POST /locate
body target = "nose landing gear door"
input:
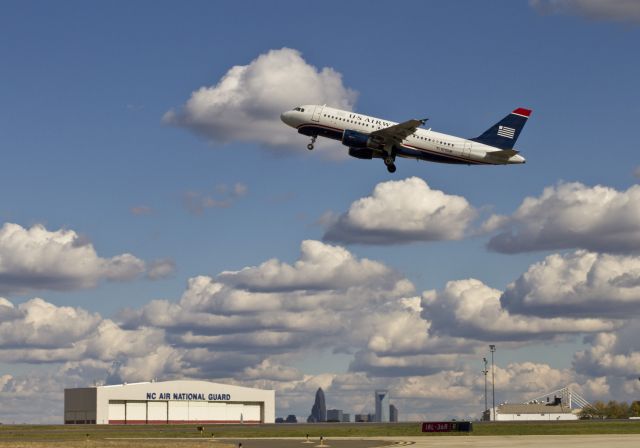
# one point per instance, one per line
(317, 113)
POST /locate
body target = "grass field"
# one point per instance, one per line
(93, 433)
(109, 444)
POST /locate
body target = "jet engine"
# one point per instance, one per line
(355, 139)
(361, 153)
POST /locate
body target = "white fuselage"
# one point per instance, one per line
(423, 144)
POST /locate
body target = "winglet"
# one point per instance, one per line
(522, 111)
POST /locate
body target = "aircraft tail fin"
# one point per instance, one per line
(503, 134)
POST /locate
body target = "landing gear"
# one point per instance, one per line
(388, 161)
(313, 140)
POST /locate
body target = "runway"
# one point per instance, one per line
(563, 441)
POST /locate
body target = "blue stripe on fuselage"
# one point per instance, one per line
(420, 154)
(402, 151)
(323, 131)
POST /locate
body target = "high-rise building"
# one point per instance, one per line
(382, 405)
(346, 418)
(334, 415)
(365, 418)
(319, 409)
(393, 414)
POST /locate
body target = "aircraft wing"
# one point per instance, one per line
(398, 132)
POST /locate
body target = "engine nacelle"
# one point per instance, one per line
(361, 153)
(355, 139)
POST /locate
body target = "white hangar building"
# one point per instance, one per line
(168, 402)
(531, 412)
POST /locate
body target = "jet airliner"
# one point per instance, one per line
(369, 137)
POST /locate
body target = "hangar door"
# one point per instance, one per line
(117, 412)
(213, 411)
(158, 412)
(244, 412)
(178, 411)
(251, 413)
(136, 412)
(123, 412)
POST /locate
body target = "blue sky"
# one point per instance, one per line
(83, 94)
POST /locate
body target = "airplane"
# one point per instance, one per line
(369, 137)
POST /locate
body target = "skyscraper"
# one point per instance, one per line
(382, 405)
(393, 414)
(319, 409)
(334, 415)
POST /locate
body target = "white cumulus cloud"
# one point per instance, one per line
(321, 266)
(402, 212)
(471, 309)
(277, 306)
(571, 215)
(39, 324)
(245, 105)
(37, 259)
(578, 284)
(614, 355)
(37, 331)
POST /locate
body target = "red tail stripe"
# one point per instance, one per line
(522, 111)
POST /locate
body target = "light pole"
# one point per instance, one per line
(492, 349)
(485, 371)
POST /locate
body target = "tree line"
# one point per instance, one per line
(612, 409)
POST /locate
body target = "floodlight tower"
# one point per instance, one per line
(485, 371)
(492, 349)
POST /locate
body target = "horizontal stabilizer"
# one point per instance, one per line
(505, 153)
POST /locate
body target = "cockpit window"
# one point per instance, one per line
(299, 109)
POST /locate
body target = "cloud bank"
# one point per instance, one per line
(252, 325)
(571, 215)
(578, 284)
(471, 309)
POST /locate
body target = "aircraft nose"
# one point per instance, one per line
(286, 117)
